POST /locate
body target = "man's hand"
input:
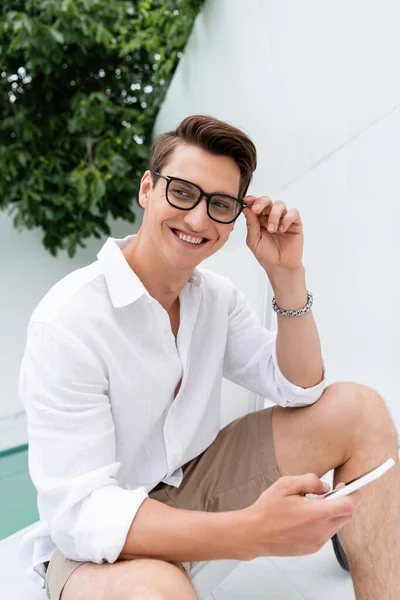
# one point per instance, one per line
(281, 247)
(284, 523)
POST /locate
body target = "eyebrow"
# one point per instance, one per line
(212, 193)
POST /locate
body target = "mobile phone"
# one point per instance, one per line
(359, 482)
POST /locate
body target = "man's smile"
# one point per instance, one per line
(188, 240)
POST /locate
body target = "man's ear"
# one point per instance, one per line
(145, 189)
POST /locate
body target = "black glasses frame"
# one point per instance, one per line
(169, 178)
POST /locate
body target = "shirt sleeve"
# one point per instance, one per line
(72, 452)
(250, 358)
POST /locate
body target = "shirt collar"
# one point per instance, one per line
(123, 284)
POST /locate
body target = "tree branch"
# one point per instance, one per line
(89, 146)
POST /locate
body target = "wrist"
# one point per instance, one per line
(248, 531)
(289, 288)
(282, 277)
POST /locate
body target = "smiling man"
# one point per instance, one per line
(121, 381)
(179, 228)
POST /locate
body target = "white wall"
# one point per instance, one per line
(315, 86)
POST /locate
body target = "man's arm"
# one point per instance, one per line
(175, 534)
(298, 347)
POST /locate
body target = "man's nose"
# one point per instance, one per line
(197, 218)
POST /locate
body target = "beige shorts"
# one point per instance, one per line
(229, 475)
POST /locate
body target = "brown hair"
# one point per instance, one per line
(208, 133)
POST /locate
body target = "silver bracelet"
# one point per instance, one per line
(294, 313)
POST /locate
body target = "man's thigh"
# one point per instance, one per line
(122, 580)
(232, 472)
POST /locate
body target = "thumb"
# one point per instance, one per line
(253, 227)
(336, 486)
(307, 484)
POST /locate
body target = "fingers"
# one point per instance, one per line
(346, 511)
(258, 205)
(275, 214)
(278, 210)
(293, 216)
(337, 508)
(337, 524)
(302, 484)
(343, 507)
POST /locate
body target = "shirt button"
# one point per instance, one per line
(172, 409)
(167, 330)
(151, 301)
(175, 459)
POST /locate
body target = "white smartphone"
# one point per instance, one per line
(359, 482)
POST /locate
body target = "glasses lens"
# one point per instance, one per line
(224, 209)
(182, 194)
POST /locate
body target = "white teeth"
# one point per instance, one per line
(187, 238)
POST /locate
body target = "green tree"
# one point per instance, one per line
(81, 82)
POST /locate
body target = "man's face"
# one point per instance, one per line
(162, 222)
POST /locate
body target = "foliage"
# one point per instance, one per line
(81, 82)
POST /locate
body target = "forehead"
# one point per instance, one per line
(212, 173)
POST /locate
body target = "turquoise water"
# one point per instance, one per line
(18, 507)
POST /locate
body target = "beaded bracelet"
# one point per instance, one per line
(294, 313)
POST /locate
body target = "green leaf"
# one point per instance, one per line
(97, 189)
(57, 35)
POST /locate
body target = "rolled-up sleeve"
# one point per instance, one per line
(250, 357)
(72, 452)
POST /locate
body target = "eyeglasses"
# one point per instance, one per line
(186, 195)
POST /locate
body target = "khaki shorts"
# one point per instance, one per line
(229, 475)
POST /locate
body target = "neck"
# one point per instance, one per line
(161, 280)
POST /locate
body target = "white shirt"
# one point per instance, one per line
(97, 381)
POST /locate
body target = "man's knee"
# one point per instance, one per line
(148, 592)
(145, 593)
(148, 578)
(154, 579)
(364, 408)
(357, 399)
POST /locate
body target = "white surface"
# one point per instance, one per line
(14, 584)
(335, 64)
(310, 577)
